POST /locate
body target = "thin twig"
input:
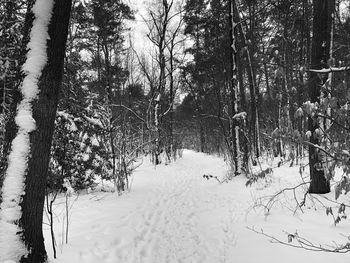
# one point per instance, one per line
(303, 243)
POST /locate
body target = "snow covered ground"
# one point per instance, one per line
(172, 214)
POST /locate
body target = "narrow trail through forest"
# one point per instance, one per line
(174, 215)
(169, 220)
(168, 226)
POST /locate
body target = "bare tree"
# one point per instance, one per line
(159, 26)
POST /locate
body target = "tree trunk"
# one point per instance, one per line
(234, 129)
(171, 99)
(10, 126)
(44, 112)
(159, 39)
(302, 60)
(320, 52)
(268, 89)
(253, 69)
(254, 121)
(243, 107)
(201, 136)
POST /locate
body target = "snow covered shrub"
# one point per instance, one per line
(76, 154)
(332, 114)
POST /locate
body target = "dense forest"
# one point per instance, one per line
(244, 80)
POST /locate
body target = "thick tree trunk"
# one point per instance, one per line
(320, 51)
(44, 112)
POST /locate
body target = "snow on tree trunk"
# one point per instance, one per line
(11, 244)
(254, 120)
(157, 128)
(234, 90)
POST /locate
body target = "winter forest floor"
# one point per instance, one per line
(173, 214)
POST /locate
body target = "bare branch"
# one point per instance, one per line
(303, 243)
(130, 110)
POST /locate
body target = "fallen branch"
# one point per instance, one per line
(268, 201)
(303, 243)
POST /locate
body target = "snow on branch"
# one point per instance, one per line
(94, 121)
(12, 247)
(329, 70)
(240, 116)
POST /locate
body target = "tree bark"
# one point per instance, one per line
(44, 112)
(10, 126)
(234, 129)
(243, 107)
(320, 52)
(254, 121)
(302, 61)
(159, 24)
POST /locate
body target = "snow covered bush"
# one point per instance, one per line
(76, 154)
(332, 114)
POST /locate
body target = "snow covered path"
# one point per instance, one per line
(174, 215)
(167, 225)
